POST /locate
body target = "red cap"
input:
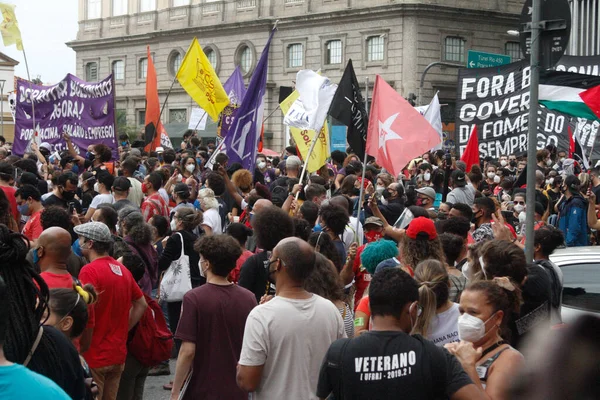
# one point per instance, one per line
(421, 225)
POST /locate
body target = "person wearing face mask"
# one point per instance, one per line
(512, 165)
(572, 218)
(395, 309)
(426, 197)
(64, 193)
(391, 204)
(262, 172)
(29, 204)
(489, 184)
(483, 208)
(181, 195)
(85, 189)
(121, 306)
(544, 162)
(483, 351)
(189, 167)
(154, 204)
(103, 187)
(204, 320)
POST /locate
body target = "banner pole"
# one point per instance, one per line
(166, 98)
(364, 171)
(272, 112)
(31, 94)
(312, 147)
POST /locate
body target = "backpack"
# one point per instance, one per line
(151, 340)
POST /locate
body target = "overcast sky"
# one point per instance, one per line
(46, 25)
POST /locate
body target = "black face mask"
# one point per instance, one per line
(474, 219)
(68, 195)
(386, 194)
(356, 192)
(513, 163)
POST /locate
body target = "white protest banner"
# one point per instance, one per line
(197, 119)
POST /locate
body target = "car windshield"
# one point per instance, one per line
(581, 287)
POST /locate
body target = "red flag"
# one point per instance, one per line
(571, 142)
(591, 98)
(153, 127)
(471, 154)
(397, 132)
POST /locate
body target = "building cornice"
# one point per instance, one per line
(347, 15)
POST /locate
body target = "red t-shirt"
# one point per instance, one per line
(234, 275)
(33, 227)
(9, 191)
(361, 277)
(116, 290)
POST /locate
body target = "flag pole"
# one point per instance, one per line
(31, 94)
(364, 171)
(310, 150)
(166, 98)
(272, 112)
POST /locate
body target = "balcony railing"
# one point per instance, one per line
(244, 4)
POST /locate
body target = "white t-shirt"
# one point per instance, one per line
(444, 327)
(101, 199)
(349, 236)
(212, 219)
(290, 338)
(136, 196)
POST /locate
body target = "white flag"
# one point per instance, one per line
(310, 109)
(433, 115)
(197, 119)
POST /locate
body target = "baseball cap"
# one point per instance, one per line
(427, 191)
(421, 227)
(96, 231)
(374, 221)
(293, 161)
(458, 177)
(121, 184)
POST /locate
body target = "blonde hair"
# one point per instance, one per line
(434, 290)
(207, 199)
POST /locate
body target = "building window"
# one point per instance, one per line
(179, 3)
(295, 55)
(513, 49)
(178, 116)
(212, 57)
(142, 68)
(118, 69)
(119, 7)
(375, 48)
(141, 117)
(245, 59)
(333, 52)
(91, 72)
(454, 49)
(175, 62)
(147, 5)
(94, 9)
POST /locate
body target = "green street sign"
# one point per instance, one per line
(479, 59)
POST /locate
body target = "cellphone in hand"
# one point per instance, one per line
(71, 207)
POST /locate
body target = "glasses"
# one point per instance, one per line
(271, 262)
(520, 202)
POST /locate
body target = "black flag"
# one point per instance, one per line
(348, 107)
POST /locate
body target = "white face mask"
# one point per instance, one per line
(190, 168)
(97, 187)
(202, 271)
(491, 175)
(496, 178)
(550, 181)
(466, 271)
(384, 201)
(380, 189)
(174, 224)
(262, 165)
(427, 176)
(549, 162)
(519, 208)
(179, 178)
(503, 163)
(482, 264)
(471, 328)
(562, 159)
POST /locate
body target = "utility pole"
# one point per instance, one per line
(536, 30)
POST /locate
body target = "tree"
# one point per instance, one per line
(124, 127)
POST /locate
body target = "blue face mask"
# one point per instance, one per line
(36, 257)
(75, 169)
(199, 161)
(89, 155)
(23, 209)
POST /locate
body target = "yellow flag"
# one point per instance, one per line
(10, 27)
(200, 81)
(304, 138)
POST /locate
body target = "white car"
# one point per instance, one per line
(581, 280)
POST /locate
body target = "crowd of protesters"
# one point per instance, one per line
(295, 290)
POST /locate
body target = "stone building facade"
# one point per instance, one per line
(396, 39)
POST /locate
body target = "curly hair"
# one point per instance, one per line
(271, 225)
(137, 229)
(103, 152)
(334, 217)
(216, 182)
(549, 238)
(207, 199)
(323, 244)
(221, 251)
(302, 228)
(242, 178)
(325, 280)
(56, 216)
(376, 252)
(414, 251)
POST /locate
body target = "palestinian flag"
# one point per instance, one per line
(560, 91)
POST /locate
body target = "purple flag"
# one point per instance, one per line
(235, 89)
(242, 139)
(84, 110)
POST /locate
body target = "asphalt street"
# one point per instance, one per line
(153, 390)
